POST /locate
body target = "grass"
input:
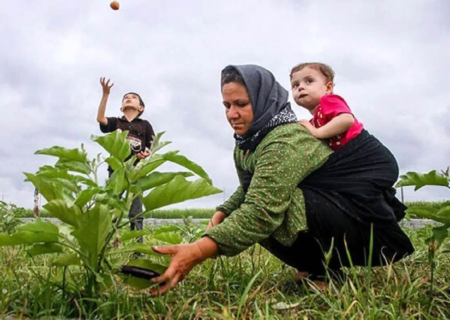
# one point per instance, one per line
(253, 285)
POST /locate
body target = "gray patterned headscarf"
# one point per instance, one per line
(269, 101)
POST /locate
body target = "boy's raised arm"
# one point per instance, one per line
(102, 107)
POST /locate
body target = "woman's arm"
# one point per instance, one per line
(238, 197)
(287, 156)
(233, 202)
(282, 164)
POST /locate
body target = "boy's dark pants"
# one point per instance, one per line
(135, 209)
(136, 224)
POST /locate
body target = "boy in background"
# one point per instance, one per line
(140, 135)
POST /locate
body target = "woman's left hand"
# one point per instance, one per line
(184, 258)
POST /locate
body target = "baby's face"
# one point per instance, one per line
(308, 86)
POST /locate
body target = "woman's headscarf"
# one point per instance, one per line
(269, 101)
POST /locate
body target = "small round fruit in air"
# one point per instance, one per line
(114, 5)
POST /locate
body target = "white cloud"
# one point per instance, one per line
(391, 60)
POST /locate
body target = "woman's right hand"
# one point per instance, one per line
(216, 219)
(184, 258)
(105, 85)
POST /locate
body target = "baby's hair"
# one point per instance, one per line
(322, 67)
(229, 75)
(141, 102)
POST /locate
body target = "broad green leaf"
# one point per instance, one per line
(444, 210)
(117, 182)
(61, 210)
(63, 153)
(65, 230)
(130, 164)
(106, 281)
(39, 226)
(74, 166)
(112, 200)
(85, 196)
(46, 168)
(67, 259)
(61, 177)
(419, 180)
(67, 187)
(115, 143)
(160, 146)
(31, 233)
(86, 181)
(157, 144)
(135, 247)
(26, 238)
(91, 231)
(119, 204)
(441, 214)
(114, 163)
(178, 190)
(134, 234)
(441, 233)
(39, 249)
(188, 164)
(145, 167)
(147, 264)
(167, 228)
(54, 173)
(155, 179)
(50, 191)
(169, 237)
(12, 240)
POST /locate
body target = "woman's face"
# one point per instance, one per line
(238, 109)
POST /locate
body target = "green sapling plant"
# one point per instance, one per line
(92, 213)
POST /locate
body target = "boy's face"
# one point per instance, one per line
(131, 101)
(308, 86)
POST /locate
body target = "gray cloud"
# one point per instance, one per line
(391, 61)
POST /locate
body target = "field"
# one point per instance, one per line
(195, 213)
(72, 269)
(253, 285)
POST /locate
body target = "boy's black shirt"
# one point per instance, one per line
(140, 132)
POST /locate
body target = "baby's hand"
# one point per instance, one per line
(306, 124)
(105, 85)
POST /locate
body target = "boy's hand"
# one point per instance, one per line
(143, 154)
(105, 85)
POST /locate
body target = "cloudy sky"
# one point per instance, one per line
(391, 58)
